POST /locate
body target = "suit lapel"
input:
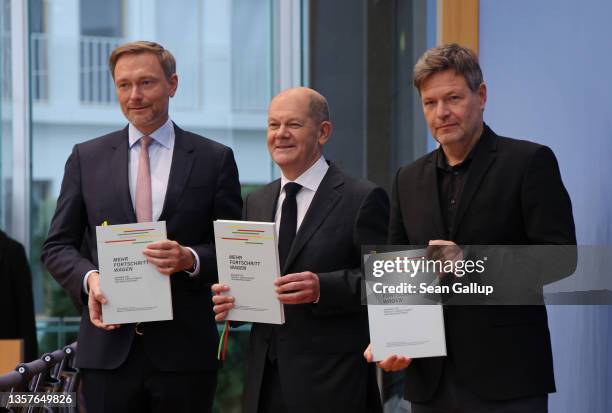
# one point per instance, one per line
(182, 162)
(430, 194)
(325, 200)
(119, 173)
(484, 156)
(262, 206)
(270, 203)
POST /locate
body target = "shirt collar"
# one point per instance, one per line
(164, 135)
(312, 177)
(442, 163)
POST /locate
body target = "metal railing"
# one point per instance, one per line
(61, 327)
(38, 62)
(52, 373)
(250, 77)
(96, 83)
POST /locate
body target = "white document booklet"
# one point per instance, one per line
(247, 260)
(135, 290)
(402, 323)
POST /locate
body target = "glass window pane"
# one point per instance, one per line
(101, 18)
(6, 118)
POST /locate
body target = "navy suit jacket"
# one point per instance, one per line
(203, 186)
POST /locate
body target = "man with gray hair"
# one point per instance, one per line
(478, 188)
(313, 362)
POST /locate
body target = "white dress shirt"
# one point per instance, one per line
(310, 181)
(160, 162)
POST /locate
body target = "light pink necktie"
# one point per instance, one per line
(144, 202)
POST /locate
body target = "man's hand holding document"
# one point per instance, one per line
(404, 322)
(248, 264)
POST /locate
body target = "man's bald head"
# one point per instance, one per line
(317, 104)
(298, 127)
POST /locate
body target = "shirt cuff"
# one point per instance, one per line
(196, 269)
(318, 296)
(85, 288)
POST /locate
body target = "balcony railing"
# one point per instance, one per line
(250, 78)
(38, 62)
(95, 80)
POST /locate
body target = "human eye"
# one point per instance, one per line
(428, 103)
(273, 125)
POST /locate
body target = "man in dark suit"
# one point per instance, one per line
(480, 189)
(16, 302)
(151, 170)
(312, 363)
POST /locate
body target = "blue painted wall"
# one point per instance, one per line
(548, 67)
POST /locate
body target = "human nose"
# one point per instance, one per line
(282, 131)
(135, 93)
(442, 110)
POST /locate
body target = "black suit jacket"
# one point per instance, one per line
(16, 301)
(202, 186)
(320, 346)
(513, 196)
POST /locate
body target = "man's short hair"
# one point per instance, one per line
(319, 109)
(448, 56)
(166, 60)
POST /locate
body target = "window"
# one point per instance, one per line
(251, 60)
(214, 99)
(38, 51)
(101, 31)
(6, 149)
(5, 49)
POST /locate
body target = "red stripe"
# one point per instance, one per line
(236, 239)
(251, 230)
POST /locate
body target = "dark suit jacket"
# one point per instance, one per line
(16, 301)
(513, 196)
(202, 186)
(320, 346)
